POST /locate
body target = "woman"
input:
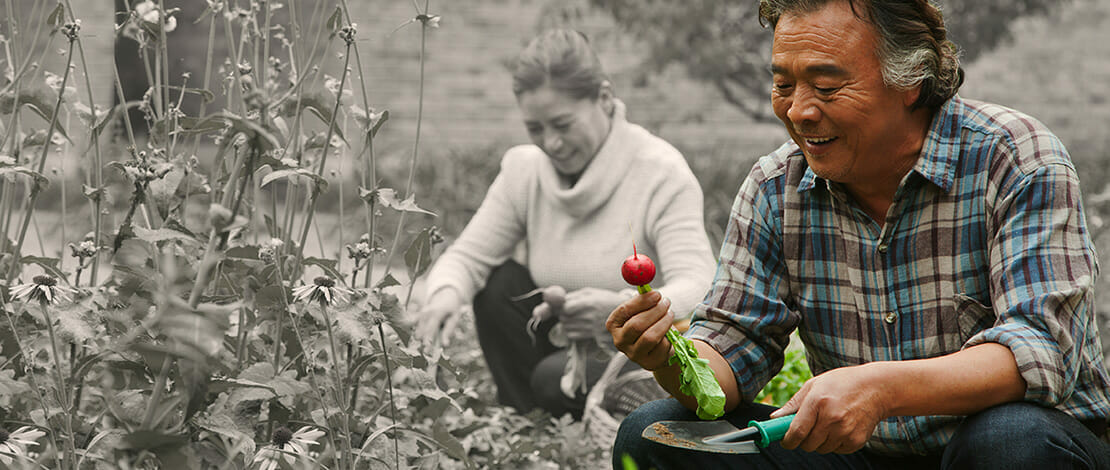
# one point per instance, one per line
(590, 185)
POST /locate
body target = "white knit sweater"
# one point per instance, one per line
(578, 237)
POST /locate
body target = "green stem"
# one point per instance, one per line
(340, 389)
(324, 158)
(63, 387)
(389, 386)
(415, 143)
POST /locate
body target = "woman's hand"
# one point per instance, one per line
(437, 319)
(585, 310)
(639, 328)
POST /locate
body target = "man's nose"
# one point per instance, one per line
(803, 106)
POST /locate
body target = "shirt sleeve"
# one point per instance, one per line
(1042, 276)
(744, 316)
(489, 238)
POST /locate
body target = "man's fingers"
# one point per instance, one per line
(803, 421)
(653, 335)
(631, 308)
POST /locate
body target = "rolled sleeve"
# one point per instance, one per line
(1043, 268)
(744, 317)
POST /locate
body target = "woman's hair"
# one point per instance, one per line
(913, 43)
(561, 59)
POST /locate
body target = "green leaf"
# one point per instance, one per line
(148, 440)
(335, 21)
(328, 265)
(418, 256)
(319, 183)
(205, 95)
(189, 125)
(38, 181)
(56, 17)
(50, 265)
(94, 194)
(450, 444)
(39, 98)
(697, 379)
(388, 198)
(164, 234)
(387, 281)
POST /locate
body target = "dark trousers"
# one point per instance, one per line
(1012, 436)
(527, 374)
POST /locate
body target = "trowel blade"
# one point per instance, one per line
(706, 436)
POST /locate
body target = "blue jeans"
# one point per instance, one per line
(1012, 436)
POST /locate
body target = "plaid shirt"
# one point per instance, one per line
(985, 242)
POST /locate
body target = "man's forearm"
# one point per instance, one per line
(957, 384)
(669, 378)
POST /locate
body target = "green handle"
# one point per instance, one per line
(644, 288)
(771, 430)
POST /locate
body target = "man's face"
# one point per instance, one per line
(829, 91)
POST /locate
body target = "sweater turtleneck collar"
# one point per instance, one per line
(601, 176)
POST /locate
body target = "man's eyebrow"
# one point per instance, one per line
(815, 69)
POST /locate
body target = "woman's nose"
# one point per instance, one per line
(552, 142)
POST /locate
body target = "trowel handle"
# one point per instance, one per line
(771, 430)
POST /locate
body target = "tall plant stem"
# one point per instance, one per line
(340, 390)
(415, 143)
(97, 163)
(324, 158)
(369, 175)
(389, 386)
(210, 259)
(30, 210)
(63, 387)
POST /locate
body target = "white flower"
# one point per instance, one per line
(43, 288)
(15, 444)
(286, 447)
(323, 289)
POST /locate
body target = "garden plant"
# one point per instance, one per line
(190, 314)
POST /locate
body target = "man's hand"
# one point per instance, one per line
(639, 326)
(586, 309)
(836, 411)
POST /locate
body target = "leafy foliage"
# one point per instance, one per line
(723, 44)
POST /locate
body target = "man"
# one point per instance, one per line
(931, 252)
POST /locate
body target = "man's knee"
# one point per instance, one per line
(1016, 436)
(629, 440)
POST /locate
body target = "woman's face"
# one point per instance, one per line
(569, 130)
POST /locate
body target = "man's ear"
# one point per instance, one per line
(909, 97)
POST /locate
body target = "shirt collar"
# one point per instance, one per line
(939, 153)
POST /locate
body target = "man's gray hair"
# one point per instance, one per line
(914, 49)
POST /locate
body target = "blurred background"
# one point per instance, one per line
(693, 72)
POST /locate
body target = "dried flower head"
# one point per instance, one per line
(71, 29)
(347, 33)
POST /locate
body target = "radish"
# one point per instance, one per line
(554, 297)
(697, 379)
(638, 270)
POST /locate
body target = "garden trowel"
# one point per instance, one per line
(718, 436)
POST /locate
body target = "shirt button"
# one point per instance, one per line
(891, 317)
(882, 248)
